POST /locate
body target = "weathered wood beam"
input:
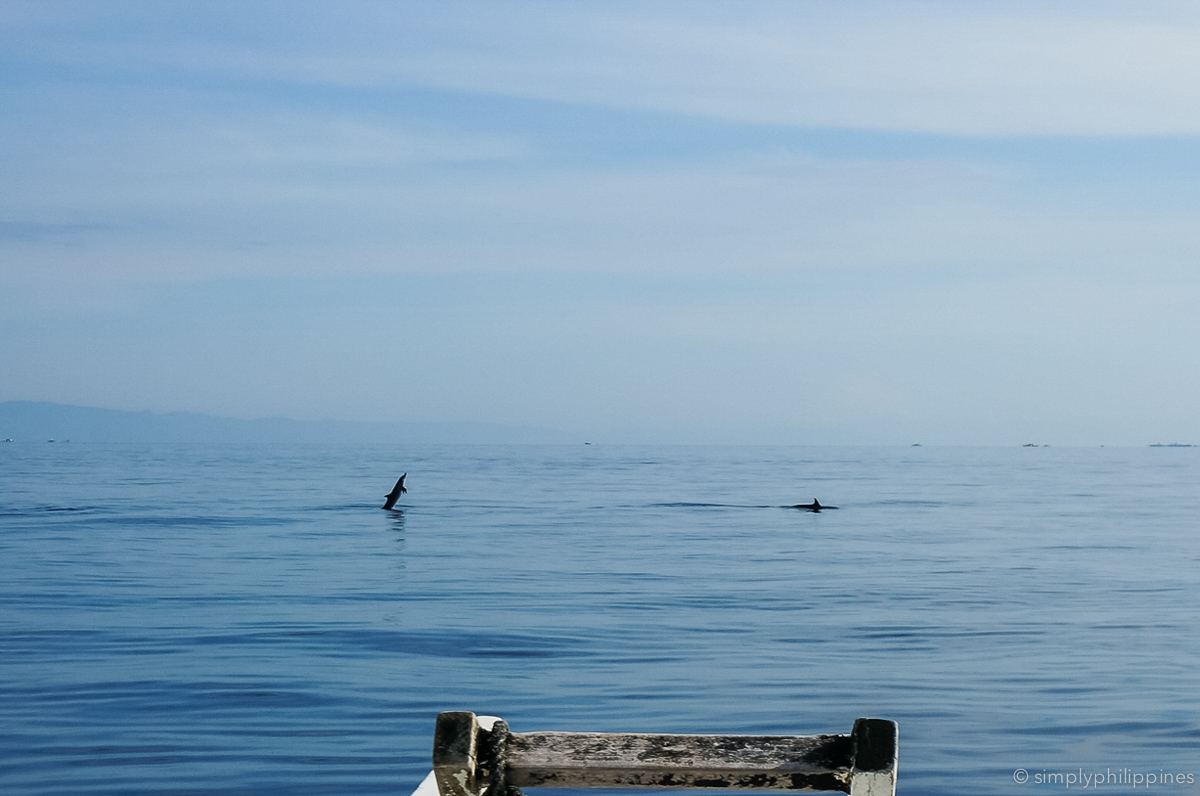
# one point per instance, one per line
(478, 756)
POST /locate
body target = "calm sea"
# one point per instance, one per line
(246, 620)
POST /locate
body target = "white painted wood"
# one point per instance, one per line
(428, 786)
(873, 783)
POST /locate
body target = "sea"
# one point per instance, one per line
(236, 619)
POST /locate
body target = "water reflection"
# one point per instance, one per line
(396, 516)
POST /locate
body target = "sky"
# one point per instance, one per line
(755, 222)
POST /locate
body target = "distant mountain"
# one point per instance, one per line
(40, 421)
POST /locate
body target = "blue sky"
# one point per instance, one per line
(833, 223)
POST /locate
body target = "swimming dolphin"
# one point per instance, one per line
(395, 494)
(814, 506)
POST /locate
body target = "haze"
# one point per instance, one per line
(830, 223)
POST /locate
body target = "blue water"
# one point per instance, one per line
(238, 620)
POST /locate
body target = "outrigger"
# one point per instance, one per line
(478, 756)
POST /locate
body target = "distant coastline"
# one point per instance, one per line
(40, 421)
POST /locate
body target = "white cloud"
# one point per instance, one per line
(235, 211)
(981, 68)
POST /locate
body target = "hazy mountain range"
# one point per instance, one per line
(39, 421)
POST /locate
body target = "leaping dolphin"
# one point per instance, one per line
(814, 506)
(395, 494)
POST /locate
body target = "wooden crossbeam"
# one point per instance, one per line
(478, 756)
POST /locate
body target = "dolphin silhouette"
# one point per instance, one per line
(814, 506)
(395, 494)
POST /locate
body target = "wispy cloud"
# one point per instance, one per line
(986, 68)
